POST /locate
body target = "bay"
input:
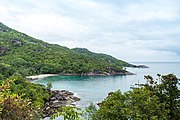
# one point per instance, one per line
(96, 88)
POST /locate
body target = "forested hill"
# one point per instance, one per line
(100, 56)
(25, 55)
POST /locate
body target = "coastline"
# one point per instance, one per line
(58, 99)
(99, 73)
(111, 72)
(36, 77)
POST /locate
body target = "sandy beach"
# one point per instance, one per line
(36, 77)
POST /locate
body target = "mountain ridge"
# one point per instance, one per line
(25, 55)
(102, 56)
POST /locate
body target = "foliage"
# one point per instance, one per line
(49, 85)
(5, 71)
(101, 56)
(19, 100)
(156, 101)
(69, 113)
(74, 113)
(167, 92)
(37, 93)
(13, 106)
(90, 112)
(24, 55)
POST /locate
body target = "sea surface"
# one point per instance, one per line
(96, 88)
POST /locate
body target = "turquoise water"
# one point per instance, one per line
(95, 88)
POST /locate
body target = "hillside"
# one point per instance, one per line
(100, 56)
(25, 55)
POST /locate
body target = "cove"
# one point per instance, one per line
(96, 88)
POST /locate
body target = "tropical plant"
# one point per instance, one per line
(69, 113)
(49, 85)
(157, 100)
(24, 55)
(13, 106)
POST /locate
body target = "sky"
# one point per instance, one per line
(131, 30)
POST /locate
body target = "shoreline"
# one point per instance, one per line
(96, 73)
(36, 77)
(59, 99)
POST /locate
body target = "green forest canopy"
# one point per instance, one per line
(25, 55)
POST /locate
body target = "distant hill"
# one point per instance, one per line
(100, 56)
(25, 55)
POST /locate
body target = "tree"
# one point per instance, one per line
(49, 85)
(68, 113)
(13, 107)
(90, 112)
(137, 104)
(157, 100)
(168, 93)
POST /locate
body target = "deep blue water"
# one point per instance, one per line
(95, 89)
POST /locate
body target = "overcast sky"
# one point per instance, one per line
(132, 30)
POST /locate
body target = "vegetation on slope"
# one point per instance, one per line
(24, 55)
(37, 93)
(152, 102)
(158, 99)
(101, 56)
(21, 100)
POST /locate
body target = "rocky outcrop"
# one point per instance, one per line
(3, 50)
(16, 42)
(60, 98)
(101, 73)
(138, 66)
(110, 72)
(142, 66)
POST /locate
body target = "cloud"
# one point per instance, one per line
(133, 30)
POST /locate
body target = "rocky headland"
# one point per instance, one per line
(138, 66)
(111, 71)
(59, 99)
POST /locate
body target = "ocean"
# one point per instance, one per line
(96, 88)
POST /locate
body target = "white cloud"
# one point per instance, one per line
(148, 11)
(136, 31)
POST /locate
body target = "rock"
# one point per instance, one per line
(60, 98)
(47, 108)
(69, 93)
(3, 50)
(17, 43)
(142, 66)
(71, 100)
(52, 99)
(76, 99)
(63, 90)
(138, 66)
(65, 97)
(57, 103)
(110, 72)
(73, 104)
(99, 104)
